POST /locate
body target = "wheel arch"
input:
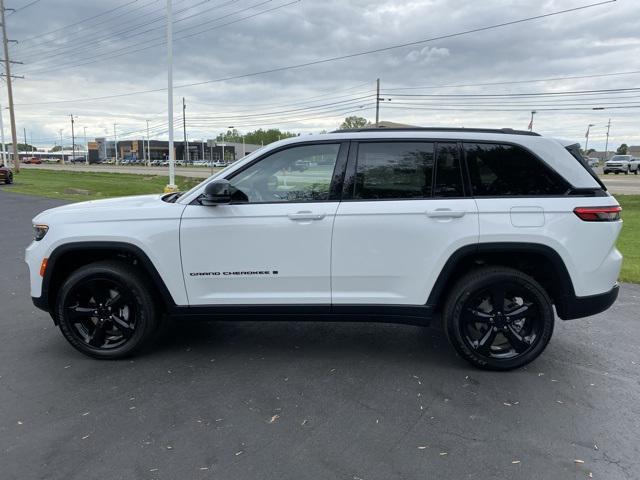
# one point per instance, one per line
(70, 256)
(539, 261)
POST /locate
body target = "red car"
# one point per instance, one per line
(6, 175)
(32, 161)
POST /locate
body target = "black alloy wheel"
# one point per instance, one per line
(105, 309)
(499, 318)
(101, 313)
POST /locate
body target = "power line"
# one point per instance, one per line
(127, 51)
(336, 58)
(24, 6)
(510, 95)
(132, 30)
(514, 82)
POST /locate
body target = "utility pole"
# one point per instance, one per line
(7, 67)
(185, 152)
(24, 133)
(4, 156)
(171, 187)
(61, 148)
(73, 141)
(115, 142)
(377, 101)
(148, 147)
(606, 146)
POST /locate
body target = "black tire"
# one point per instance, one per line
(605, 173)
(635, 172)
(470, 324)
(626, 172)
(86, 303)
(8, 180)
(616, 173)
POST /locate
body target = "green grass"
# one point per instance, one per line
(629, 241)
(55, 184)
(47, 183)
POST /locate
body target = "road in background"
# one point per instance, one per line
(291, 401)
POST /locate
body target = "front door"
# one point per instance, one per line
(272, 244)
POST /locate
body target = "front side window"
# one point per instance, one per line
(394, 170)
(297, 174)
(504, 170)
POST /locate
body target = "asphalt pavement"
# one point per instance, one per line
(286, 400)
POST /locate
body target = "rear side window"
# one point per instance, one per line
(448, 174)
(499, 170)
(394, 170)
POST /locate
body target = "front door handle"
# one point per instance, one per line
(445, 213)
(306, 215)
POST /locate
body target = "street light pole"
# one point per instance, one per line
(4, 156)
(148, 147)
(171, 187)
(606, 146)
(73, 142)
(586, 143)
(533, 112)
(115, 142)
(61, 149)
(86, 146)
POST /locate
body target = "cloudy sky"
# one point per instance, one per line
(77, 52)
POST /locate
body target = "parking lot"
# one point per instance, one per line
(355, 401)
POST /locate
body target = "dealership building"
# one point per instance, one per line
(102, 149)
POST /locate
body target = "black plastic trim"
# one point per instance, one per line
(579, 307)
(44, 302)
(506, 131)
(405, 314)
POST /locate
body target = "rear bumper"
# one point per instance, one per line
(578, 307)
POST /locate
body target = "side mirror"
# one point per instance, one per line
(216, 193)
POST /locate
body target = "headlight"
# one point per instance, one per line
(40, 231)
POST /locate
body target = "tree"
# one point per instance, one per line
(57, 148)
(622, 149)
(354, 122)
(257, 137)
(590, 151)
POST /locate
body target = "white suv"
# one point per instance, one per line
(484, 230)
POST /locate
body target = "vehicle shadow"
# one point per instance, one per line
(337, 340)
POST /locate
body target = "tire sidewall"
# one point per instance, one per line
(468, 287)
(145, 313)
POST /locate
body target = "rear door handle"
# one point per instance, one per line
(445, 213)
(306, 215)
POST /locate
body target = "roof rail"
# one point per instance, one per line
(508, 131)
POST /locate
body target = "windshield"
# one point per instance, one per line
(620, 158)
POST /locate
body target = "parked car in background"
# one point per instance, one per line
(6, 175)
(32, 161)
(634, 165)
(593, 162)
(618, 164)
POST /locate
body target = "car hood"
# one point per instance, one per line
(139, 207)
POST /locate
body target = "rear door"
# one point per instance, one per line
(404, 211)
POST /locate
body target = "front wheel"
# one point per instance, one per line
(626, 172)
(105, 310)
(498, 318)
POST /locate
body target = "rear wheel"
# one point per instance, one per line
(498, 318)
(105, 310)
(9, 179)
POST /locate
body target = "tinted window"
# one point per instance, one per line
(297, 174)
(509, 170)
(394, 170)
(448, 175)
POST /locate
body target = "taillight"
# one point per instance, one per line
(598, 214)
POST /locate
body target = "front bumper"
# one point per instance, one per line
(578, 307)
